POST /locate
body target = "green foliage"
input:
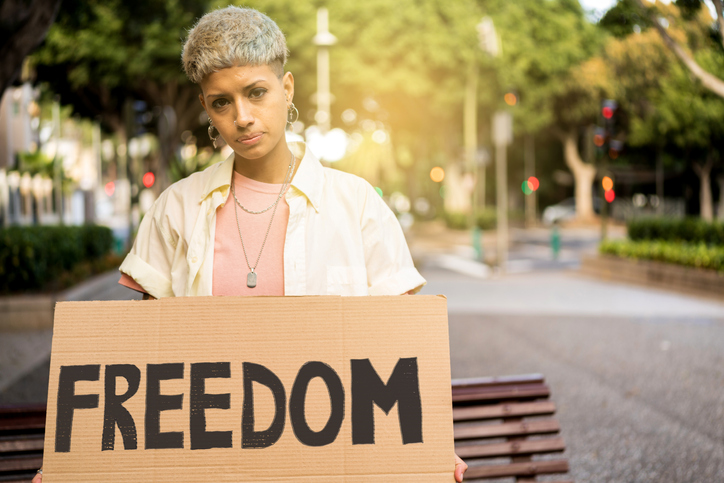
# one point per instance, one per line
(36, 163)
(666, 107)
(623, 17)
(688, 254)
(690, 230)
(545, 47)
(39, 257)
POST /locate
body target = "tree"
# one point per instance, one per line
(548, 56)
(101, 55)
(404, 64)
(23, 25)
(711, 81)
(668, 108)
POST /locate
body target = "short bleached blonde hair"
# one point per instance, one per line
(233, 36)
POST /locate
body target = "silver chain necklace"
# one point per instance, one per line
(281, 193)
(251, 276)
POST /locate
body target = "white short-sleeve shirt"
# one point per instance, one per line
(341, 238)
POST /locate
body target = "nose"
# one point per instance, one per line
(244, 114)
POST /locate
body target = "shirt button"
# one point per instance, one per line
(194, 260)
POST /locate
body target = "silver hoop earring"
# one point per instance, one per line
(292, 114)
(211, 130)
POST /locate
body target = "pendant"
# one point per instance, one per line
(251, 279)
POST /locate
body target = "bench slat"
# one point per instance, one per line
(512, 448)
(21, 443)
(22, 422)
(524, 428)
(517, 469)
(21, 463)
(498, 380)
(503, 410)
(501, 393)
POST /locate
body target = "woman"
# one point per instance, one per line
(270, 220)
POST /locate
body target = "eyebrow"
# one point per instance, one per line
(250, 86)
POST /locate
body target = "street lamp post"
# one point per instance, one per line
(323, 40)
(502, 137)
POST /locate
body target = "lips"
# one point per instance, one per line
(251, 138)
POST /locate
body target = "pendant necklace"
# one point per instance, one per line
(252, 275)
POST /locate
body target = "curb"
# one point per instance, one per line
(667, 276)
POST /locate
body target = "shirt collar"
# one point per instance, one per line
(219, 178)
(309, 178)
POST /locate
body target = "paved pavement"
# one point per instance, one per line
(25, 355)
(637, 373)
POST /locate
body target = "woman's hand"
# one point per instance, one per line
(37, 478)
(460, 468)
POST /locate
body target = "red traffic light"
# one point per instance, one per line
(607, 112)
(610, 196)
(148, 179)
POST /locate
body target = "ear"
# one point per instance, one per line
(288, 84)
(203, 103)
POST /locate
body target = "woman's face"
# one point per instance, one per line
(256, 99)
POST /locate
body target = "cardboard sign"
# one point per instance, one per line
(250, 389)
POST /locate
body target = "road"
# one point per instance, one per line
(637, 374)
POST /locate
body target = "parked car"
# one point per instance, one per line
(565, 210)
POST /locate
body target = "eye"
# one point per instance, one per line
(257, 93)
(219, 103)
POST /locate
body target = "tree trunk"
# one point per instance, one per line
(706, 205)
(583, 174)
(24, 26)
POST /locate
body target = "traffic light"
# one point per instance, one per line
(603, 137)
(599, 137)
(607, 184)
(608, 109)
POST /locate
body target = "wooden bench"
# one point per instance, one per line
(496, 417)
(22, 429)
(503, 425)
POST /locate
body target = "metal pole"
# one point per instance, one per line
(57, 182)
(660, 181)
(323, 40)
(501, 191)
(531, 199)
(470, 130)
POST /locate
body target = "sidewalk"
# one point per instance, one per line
(25, 354)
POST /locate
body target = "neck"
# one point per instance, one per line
(271, 168)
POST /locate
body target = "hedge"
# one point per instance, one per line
(688, 254)
(691, 230)
(461, 221)
(44, 257)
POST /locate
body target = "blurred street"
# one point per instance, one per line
(636, 373)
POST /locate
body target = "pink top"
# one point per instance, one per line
(230, 268)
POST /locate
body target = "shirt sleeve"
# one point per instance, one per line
(390, 270)
(149, 263)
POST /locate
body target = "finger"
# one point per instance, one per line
(38, 478)
(460, 468)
